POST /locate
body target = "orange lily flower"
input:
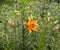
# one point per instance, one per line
(32, 25)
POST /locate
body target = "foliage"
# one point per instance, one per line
(14, 35)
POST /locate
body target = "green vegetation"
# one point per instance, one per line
(14, 35)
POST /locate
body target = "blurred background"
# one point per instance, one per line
(15, 36)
